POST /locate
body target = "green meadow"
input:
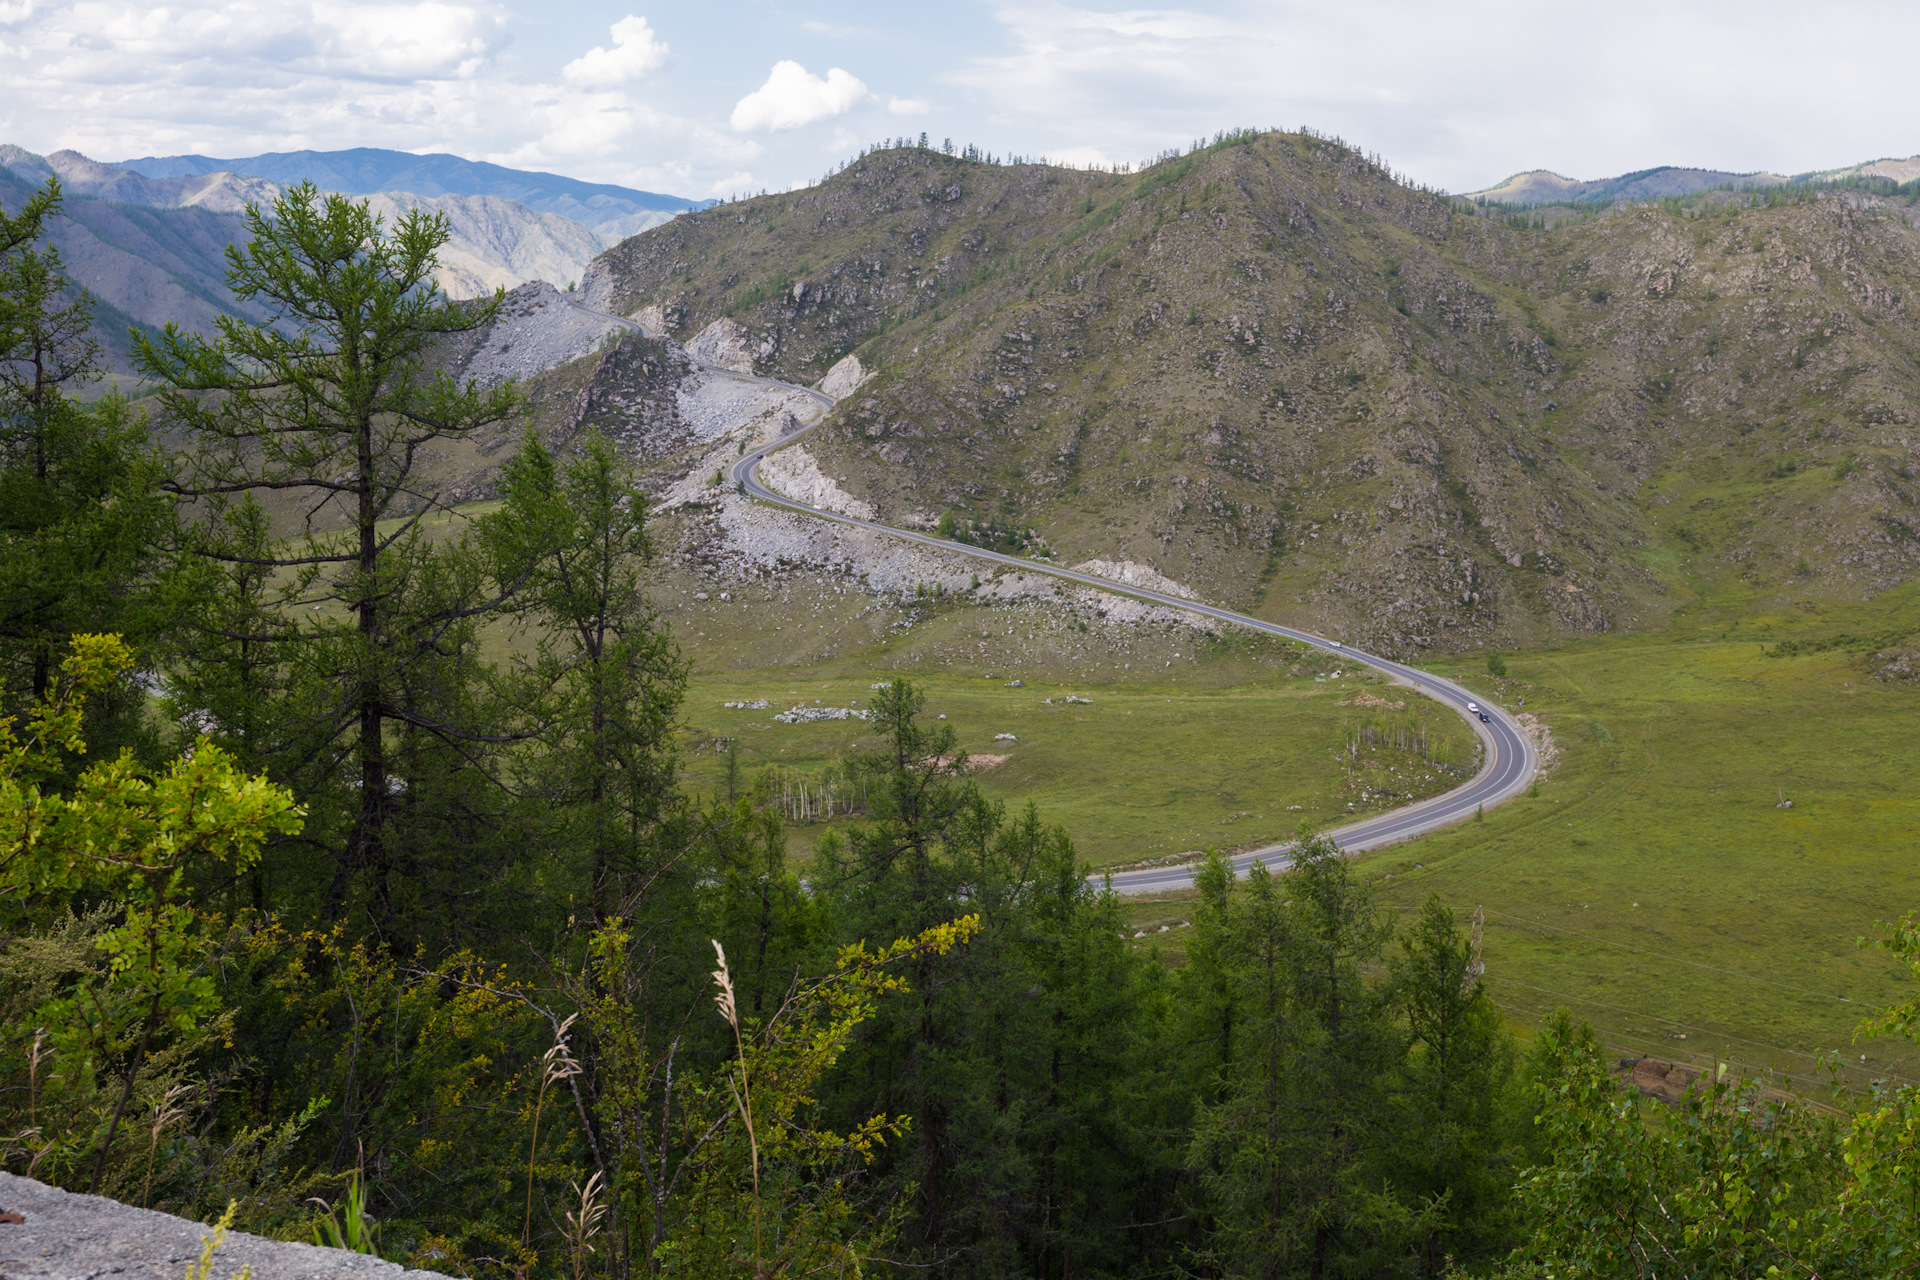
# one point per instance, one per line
(1655, 882)
(1138, 771)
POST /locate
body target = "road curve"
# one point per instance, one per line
(1508, 760)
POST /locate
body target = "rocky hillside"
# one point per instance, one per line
(1268, 370)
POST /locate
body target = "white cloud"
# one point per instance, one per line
(121, 78)
(635, 52)
(793, 96)
(407, 41)
(909, 106)
(1080, 157)
(1611, 89)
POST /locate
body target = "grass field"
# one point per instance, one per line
(1142, 771)
(1654, 886)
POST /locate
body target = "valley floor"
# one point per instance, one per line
(1653, 884)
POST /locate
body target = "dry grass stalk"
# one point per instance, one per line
(742, 1092)
(164, 1114)
(584, 1225)
(556, 1065)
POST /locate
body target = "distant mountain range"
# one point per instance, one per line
(148, 238)
(362, 171)
(1543, 186)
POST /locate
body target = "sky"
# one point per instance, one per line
(706, 98)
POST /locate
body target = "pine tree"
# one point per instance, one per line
(82, 520)
(573, 537)
(321, 415)
(1455, 1099)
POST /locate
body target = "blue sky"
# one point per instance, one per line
(721, 96)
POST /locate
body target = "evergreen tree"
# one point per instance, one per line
(1288, 1158)
(82, 518)
(1454, 1101)
(1024, 1061)
(363, 623)
(573, 536)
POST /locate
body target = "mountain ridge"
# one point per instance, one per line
(373, 170)
(1269, 370)
(1545, 186)
(118, 244)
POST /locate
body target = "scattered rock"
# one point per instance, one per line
(536, 328)
(1371, 701)
(792, 471)
(1144, 576)
(1542, 738)
(807, 715)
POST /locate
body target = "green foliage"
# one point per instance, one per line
(1496, 666)
(571, 540)
(82, 519)
(1741, 1182)
(347, 1225)
(130, 837)
(347, 662)
(1356, 1122)
(775, 1194)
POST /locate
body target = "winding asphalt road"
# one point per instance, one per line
(1508, 759)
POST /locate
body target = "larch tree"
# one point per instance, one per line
(82, 518)
(322, 417)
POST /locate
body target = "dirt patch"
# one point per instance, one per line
(1372, 702)
(1666, 1082)
(1542, 738)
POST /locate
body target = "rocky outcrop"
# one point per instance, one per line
(1127, 573)
(794, 472)
(74, 1237)
(844, 378)
(724, 345)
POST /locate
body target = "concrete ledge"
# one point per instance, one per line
(72, 1237)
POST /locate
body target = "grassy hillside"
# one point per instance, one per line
(1273, 372)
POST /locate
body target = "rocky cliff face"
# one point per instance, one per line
(1272, 372)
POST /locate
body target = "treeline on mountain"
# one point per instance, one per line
(313, 894)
